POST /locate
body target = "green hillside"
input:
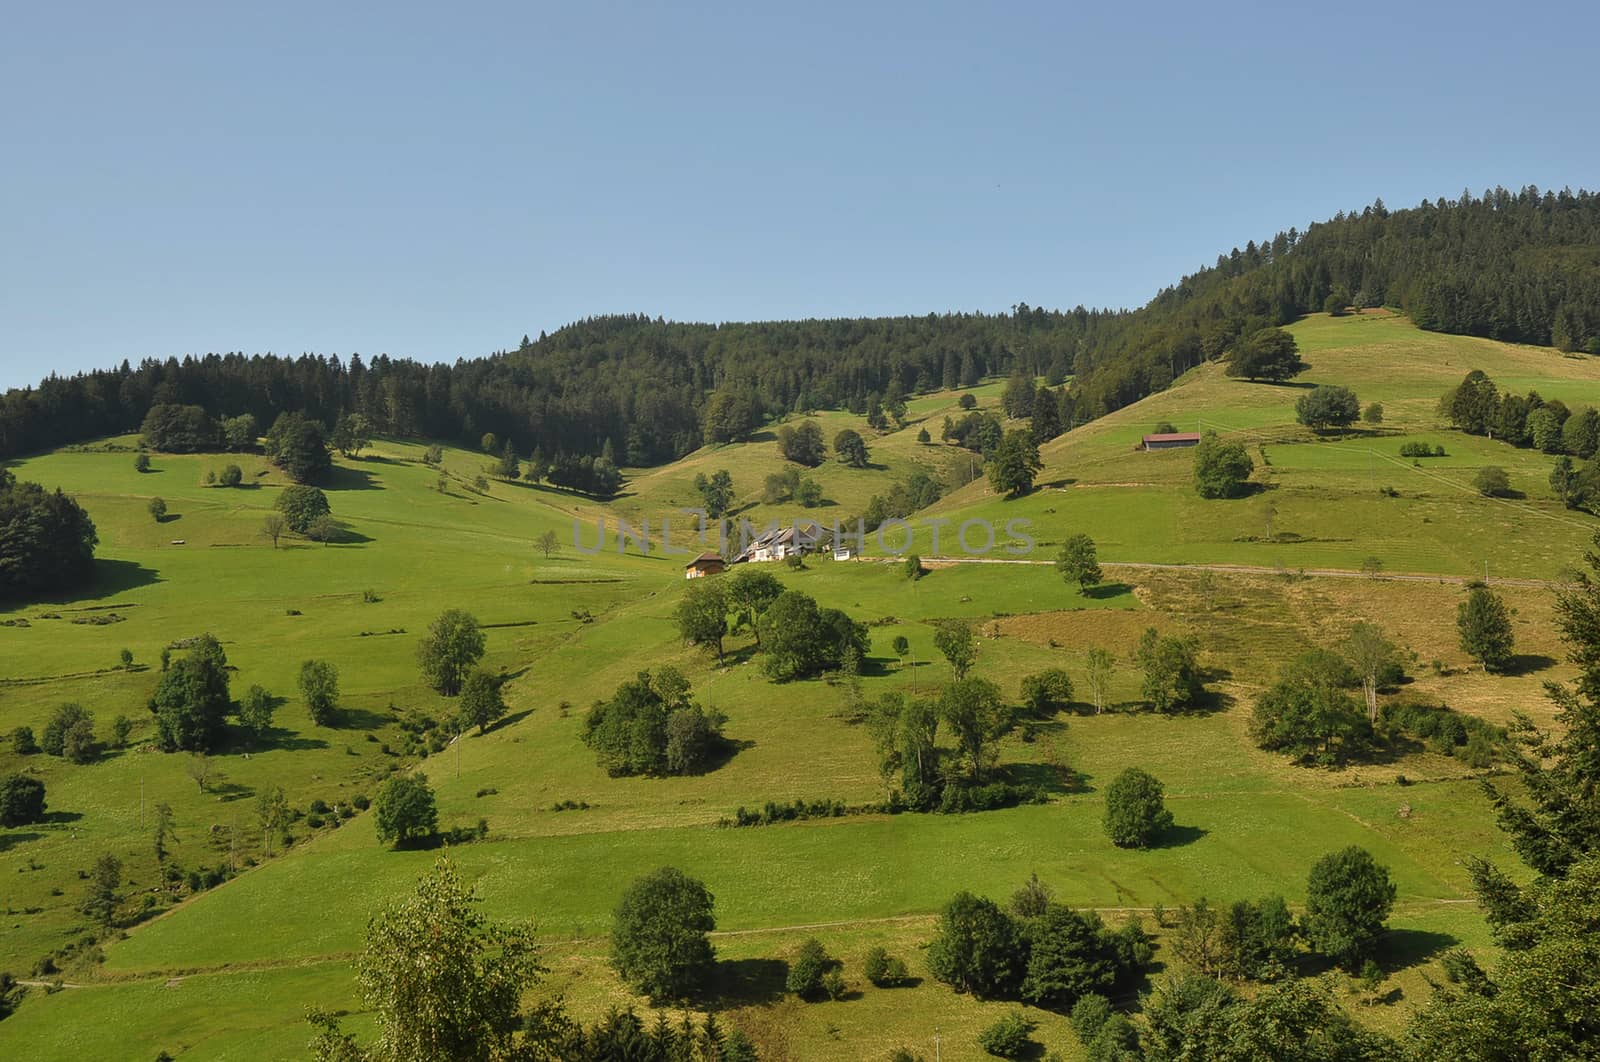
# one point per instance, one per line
(229, 971)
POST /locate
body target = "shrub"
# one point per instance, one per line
(406, 810)
(1089, 1016)
(883, 969)
(1492, 482)
(1421, 449)
(805, 974)
(22, 741)
(1047, 692)
(1008, 1037)
(21, 800)
(66, 718)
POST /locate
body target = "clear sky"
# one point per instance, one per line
(434, 180)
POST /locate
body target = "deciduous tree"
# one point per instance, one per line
(452, 645)
(659, 942)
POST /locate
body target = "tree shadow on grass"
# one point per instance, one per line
(228, 792)
(341, 477)
(722, 751)
(1044, 776)
(362, 719)
(1179, 836)
(748, 982)
(348, 536)
(1106, 591)
(11, 838)
(115, 576)
(1529, 663)
(291, 742)
(507, 720)
(61, 818)
(1404, 948)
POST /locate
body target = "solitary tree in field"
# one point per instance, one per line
(1047, 691)
(802, 444)
(548, 544)
(703, 614)
(1492, 482)
(443, 981)
(319, 685)
(300, 506)
(352, 433)
(1485, 628)
(1327, 406)
(191, 701)
(851, 448)
(163, 834)
(1014, 463)
(272, 813)
(658, 935)
(1098, 675)
(1077, 562)
(21, 800)
(104, 880)
(272, 528)
(200, 770)
(404, 809)
(452, 645)
(1221, 469)
(716, 493)
(1171, 672)
(1269, 354)
(481, 700)
(954, 639)
(1348, 898)
(158, 509)
(1136, 812)
(902, 646)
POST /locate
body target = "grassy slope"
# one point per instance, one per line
(1139, 507)
(1251, 824)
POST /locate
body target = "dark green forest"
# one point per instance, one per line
(1521, 266)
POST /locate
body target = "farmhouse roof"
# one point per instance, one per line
(1173, 436)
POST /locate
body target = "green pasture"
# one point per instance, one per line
(245, 959)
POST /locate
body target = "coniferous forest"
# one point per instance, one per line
(1520, 266)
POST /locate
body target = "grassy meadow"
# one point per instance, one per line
(228, 973)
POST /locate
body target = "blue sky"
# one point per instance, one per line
(435, 180)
